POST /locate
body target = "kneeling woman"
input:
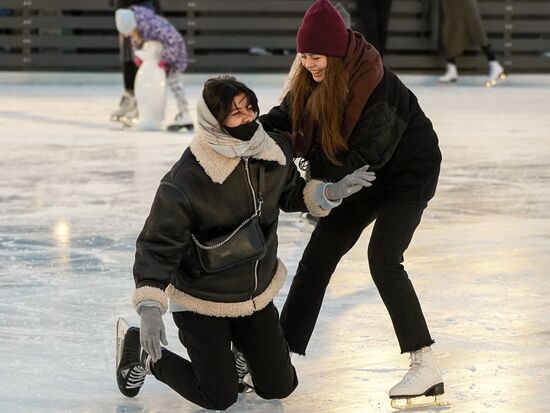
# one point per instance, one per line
(196, 251)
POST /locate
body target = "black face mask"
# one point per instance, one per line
(243, 132)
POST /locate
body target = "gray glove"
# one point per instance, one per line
(350, 184)
(152, 332)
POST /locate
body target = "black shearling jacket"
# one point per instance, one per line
(189, 201)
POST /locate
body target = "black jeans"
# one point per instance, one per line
(374, 16)
(333, 237)
(210, 378)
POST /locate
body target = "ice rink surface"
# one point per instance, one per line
(75, 191)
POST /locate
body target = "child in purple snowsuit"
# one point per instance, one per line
(143, 25)
(127, 107)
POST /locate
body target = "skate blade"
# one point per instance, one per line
(309, 219)
(413, 404)
(493, 82)
(178, 128)
(121, 329)
(447, 82)
(244, 389)
(128, 123)
(117, 127)
(124, 123)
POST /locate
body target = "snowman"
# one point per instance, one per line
(150, 87)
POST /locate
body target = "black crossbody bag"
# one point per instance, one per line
(244, 244)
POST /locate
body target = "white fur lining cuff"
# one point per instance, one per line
(150, 294)
(310, 198)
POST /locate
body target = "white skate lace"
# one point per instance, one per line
(242, 367)
(137, 374)
(415, 368)
(136, 377)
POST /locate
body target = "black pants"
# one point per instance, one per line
(374, 16)
(333, 237)
(210, 378)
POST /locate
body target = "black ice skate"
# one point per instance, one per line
(245, 380)
(131, 361)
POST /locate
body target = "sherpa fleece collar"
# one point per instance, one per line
(219, 167)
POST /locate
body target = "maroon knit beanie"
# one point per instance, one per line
(322, 31)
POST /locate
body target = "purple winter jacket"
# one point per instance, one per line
(154, 27)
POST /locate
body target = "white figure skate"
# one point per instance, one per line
(451, 75)
(182, 121)
(150, 87)
(496, 72)
(423, 379)
(127, 108)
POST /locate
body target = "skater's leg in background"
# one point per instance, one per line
(260, 338)
(392, 233)
(451, 73)
(183, 119)
(496, 70)
(126, 57)
(333, 237)
(383, 11)
(368, 21)
(175, 82)
(210, 378)
(129, 70)
(127, 107)
(489, 53)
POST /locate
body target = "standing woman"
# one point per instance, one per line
(462, 27)
(344, 110)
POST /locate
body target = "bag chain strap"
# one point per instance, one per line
(256, 213)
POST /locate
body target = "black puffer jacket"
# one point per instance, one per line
(188, 201)
(393, 136)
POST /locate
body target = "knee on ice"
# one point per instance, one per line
(221, 401)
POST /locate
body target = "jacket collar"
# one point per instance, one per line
(219, 167)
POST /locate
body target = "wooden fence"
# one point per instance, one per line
(252, 35)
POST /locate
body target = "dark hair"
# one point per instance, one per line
(218, 94)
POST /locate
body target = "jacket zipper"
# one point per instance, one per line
(249, 181)
(255, 207)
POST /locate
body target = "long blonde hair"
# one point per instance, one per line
(324, 103)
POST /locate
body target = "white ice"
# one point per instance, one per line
(75, 191)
